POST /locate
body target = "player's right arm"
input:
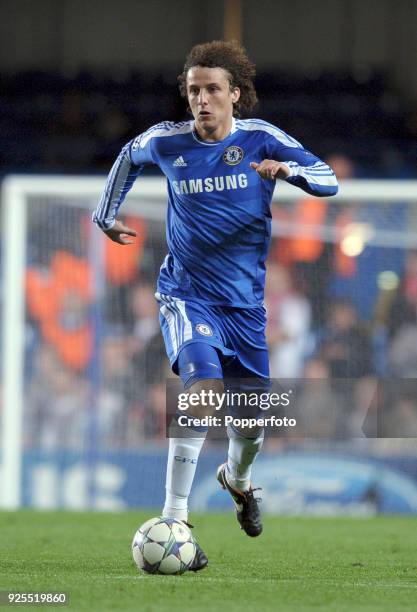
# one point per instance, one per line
(134, 156)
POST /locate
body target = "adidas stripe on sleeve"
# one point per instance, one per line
(318, 179)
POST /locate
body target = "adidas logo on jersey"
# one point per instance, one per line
(179, 162)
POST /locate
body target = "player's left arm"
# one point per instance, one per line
(297, 166)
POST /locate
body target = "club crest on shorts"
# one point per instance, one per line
(233, 155)
(204, 329)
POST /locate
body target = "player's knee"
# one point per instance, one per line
(214, 385)
(208, 391)
(248, 406)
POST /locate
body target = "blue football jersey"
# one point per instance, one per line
(219, 219)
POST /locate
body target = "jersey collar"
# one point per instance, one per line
(213, 144)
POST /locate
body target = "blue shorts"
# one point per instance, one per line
(237, 333)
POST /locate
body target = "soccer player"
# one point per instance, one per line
(221, 173)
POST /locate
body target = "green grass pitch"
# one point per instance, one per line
(297, 564)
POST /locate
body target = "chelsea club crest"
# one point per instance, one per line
(204, 329)
(233, 155)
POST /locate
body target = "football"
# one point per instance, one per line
(163, 546)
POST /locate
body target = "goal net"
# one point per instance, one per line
(83, 363)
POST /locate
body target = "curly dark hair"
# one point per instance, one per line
(231, 57)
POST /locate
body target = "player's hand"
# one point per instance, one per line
(120, 233)
(271, 169)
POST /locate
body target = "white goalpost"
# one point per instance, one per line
(20, 197)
